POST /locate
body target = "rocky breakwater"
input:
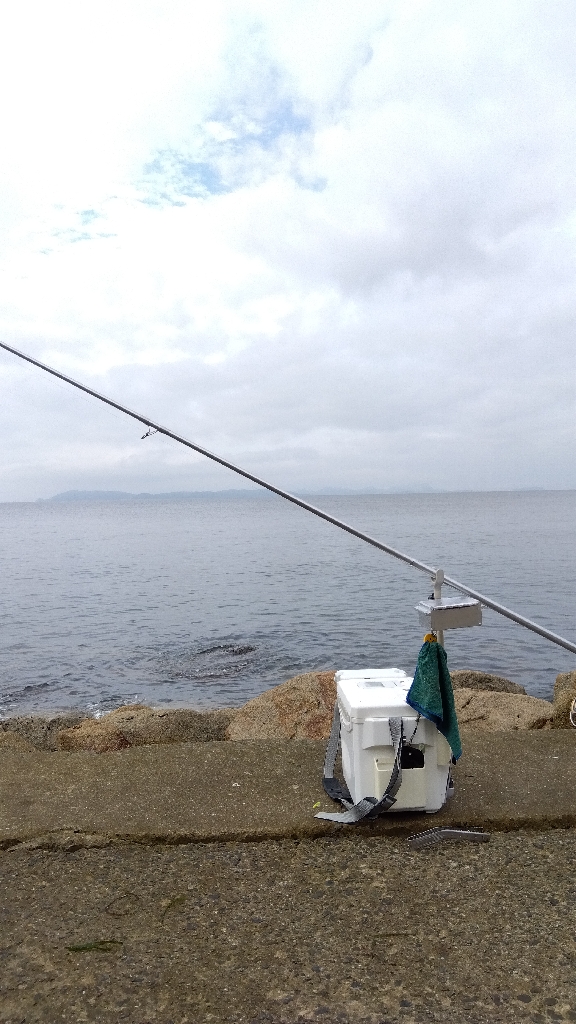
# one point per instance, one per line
(564, 695)
(138, 725)
(494, 704)
(300, 708)
(134, 725)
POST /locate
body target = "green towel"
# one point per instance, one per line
(431, 693)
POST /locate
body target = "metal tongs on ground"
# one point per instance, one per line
(432, 836)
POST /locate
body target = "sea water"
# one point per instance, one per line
(207, 601)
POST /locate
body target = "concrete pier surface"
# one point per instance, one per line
(253, 790)
(190, 883)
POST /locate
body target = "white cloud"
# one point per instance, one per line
(336, 245)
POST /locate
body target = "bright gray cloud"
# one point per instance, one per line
(336, 248)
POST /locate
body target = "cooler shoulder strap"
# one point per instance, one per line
(370, 806)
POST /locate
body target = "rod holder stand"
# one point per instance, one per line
(438, 613)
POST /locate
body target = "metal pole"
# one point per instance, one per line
(224, 462)
(438, 581)
(428, 569)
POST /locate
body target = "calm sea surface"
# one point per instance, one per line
(206, 602)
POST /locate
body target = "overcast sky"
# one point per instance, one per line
(333, 242)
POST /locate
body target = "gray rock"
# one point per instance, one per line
(40, 731)
(471, 680)
(565, 681)
(564, 694)
(137, 725)
(501, 712)
(301, 708)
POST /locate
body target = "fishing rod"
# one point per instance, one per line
(414, 562)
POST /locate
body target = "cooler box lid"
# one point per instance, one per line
(373, 693)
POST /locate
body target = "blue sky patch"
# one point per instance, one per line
(175, 175)
(88, 216)
(279, 120)
(240, 143)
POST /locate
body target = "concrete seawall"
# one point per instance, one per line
(247, 790)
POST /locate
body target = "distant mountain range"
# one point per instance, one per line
(232, 493)
(128, 495)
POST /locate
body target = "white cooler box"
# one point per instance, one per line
(367, 699)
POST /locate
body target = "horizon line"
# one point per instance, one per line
(118, 495)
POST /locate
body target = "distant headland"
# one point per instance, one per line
(131, 496)
(248, 492)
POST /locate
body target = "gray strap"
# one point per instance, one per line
(335, 789)
(369, 806)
